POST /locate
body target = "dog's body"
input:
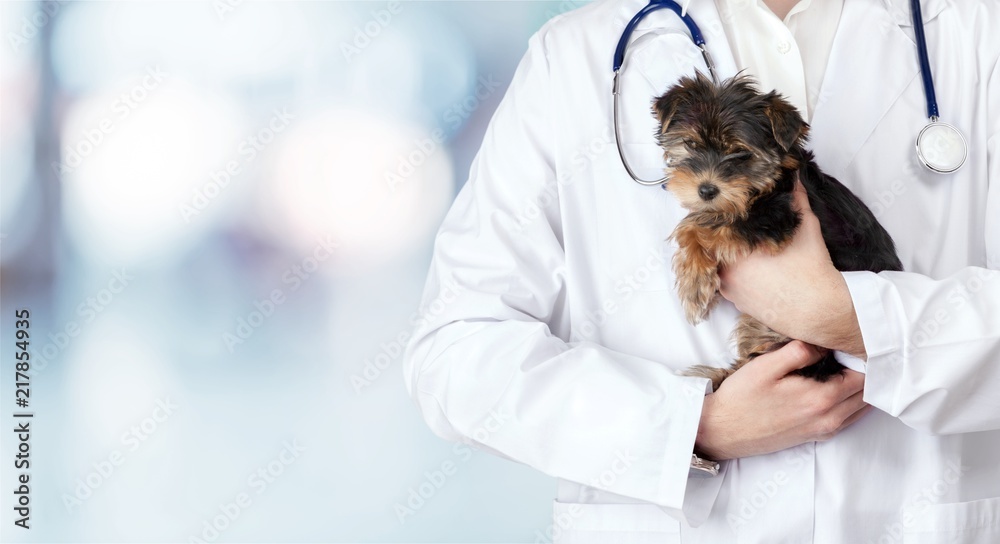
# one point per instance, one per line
(733, 157)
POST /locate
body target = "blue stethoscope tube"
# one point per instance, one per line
(940, 146)
(619, 60)
(652, 6)
(925, 63)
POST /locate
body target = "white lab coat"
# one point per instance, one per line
(552, 335)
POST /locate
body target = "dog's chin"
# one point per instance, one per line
(697, 205)
(720, 207)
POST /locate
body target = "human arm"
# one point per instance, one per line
(494, 339)
(798, 292)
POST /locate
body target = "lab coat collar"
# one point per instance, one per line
(628, 8)
(900, 10)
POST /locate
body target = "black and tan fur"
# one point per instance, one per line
(733, 156)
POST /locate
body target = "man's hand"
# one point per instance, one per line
(761, 408)
(797, 292)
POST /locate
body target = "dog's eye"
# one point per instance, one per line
(689, 143)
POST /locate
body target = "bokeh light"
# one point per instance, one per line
(136, 155)
(259, 39)
(376, 185)
(417, 66)
(118, 123)
(20, 200)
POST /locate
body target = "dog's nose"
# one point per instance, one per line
(707, 191)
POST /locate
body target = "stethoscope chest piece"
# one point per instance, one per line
(941, 147)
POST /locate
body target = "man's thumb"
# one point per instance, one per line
(793, 356)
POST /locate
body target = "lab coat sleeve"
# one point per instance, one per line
(490, 363)
(934, 345)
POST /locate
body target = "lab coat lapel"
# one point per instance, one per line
(864, 77)
(900, 10)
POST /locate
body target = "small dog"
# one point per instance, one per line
(733, 155)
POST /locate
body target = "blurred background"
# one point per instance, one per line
(219, 215)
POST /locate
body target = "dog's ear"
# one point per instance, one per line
(787, 125)
(664, 109)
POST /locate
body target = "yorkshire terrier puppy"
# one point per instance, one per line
(733, 155)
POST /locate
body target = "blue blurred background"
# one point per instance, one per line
(220, 215)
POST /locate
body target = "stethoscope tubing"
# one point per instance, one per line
(925, 63)
(652, 6)
(619, 61)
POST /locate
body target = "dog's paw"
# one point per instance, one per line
(698, 294)
(697, 310)
(754, 338)
(697, 275)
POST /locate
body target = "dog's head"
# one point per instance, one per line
(725, 144)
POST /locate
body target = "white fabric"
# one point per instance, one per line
(788, 55)
(550, 333)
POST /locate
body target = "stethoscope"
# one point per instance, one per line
(940, 146)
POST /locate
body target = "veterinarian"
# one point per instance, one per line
(566, 324)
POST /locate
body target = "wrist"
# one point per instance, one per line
(705, 442)
(841, 332)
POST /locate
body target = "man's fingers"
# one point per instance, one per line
(849, 384)
(855, 416)
(846, 409)
(791, 357)
(801, 197)
(827, 425)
